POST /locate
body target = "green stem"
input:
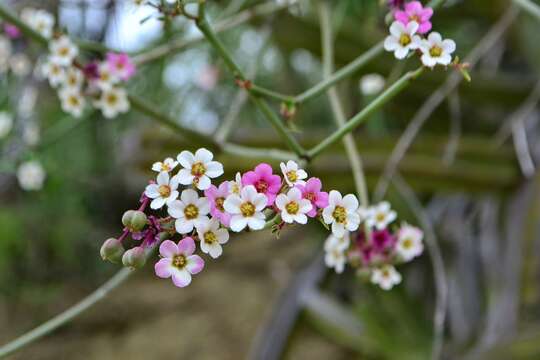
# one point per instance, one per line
(363, 115)
(13, 19)
(259, 90)
(530, 7)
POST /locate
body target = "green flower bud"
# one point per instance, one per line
(134, 258)
(112, 250)
(138, 221)
(126, 218)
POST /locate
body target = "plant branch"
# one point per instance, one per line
(529, 7)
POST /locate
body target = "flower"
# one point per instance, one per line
(39, 20)
(167, 165)
(382, 240)
(292, 174)
(12, 31)
(380, 215)
(435, 50)
(341, 243)
(396, 4)
(293, 207)
(402, 39)
(31, 175)
(264, 181)
(371, 84)
(341, 213)
(105, 79)
(72, 101)
(414, 11)
(163, 192)
(212, 237)
(246, 209)
(386, 277)
(198, 169)
(120, 65)
(178, 261)
(409, 243)
(217, 196)
(311, 190)
(63, 51)
(55, 73)
(235, 186)
(73, 78)
(335, 258)
(112, 102)
(6, 123)
(20, 65)
(189, 210)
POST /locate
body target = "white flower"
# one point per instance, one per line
(31, 175)
(31, 133)
(20, 65)
(72, 101)
(167, 165)
(385, 276)
(293, 207)
(235, 186)
(341, 243)
(402, 39)
(106, 79)
(246, 209)
(62, 51)
(435, 50)
(6, 123)
(335, 258)
(189, 211)
(212, 237)
(39, 20)
(341, 213)
(371, 84)
(73, 78)
(198, 169)
(112, 102)
(409, 243)
(292, 174)
(163, 192)
(55, 73)
(380, 215)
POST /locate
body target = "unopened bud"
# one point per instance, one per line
(134, 258)
(112, 250)
(126, 218)
(134, 220)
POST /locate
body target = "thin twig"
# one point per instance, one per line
(521, 145)
(529, 7)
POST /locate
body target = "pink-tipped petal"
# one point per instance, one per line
(195, 264)
(168, 249)
(186, 246)
(181, 278)
(163, 268)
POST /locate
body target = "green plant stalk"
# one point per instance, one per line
(529, 7)
(259, 90)
(363, 115)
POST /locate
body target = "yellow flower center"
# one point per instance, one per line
(219, 204)
(386, 273)
(404, 39)
(191, 212)
(415, 18)
(63, 51)
(435, 51)
(198, 169)
(340, 214)
(164, 190)
(292, 207)
(291, 175)
(247, 209)
(179, 261)
(73, 100)
(165, 167)
(111, 99)
(209, 237)
(380, 217)
(407, 243)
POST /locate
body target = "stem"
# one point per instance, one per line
(259, 90)
(337, 107)
(7, 15)
(363, 115)
(530, 7)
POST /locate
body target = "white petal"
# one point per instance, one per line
(157, 203)
(232, 204)
(350, 202)
(281, 201)
(435, 38)
(401, 53)
(163, 178)
(176, 209)
(186, 159)
(238, 223)
(397, 28)
(391, 43)
(203, 155)
(288, 218)
(189, 196)
(260, 201)
(183, 226)
(256, 224)
(204, 182)
(301, 218)
(222, 235)
(449, 46)
(152, 191)
(214, 169)
(295, 194)
(204, 205)
(334, 198)
(185, 177)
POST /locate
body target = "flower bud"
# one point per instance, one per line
(112, 250)
(138, 221)
(134, 258)
(126, 218)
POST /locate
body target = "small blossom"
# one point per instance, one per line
(54, 73)
(31, 175)
(198, 168)
(382, 240)
(178, 261)
(217, 196)
(12, 31)
(435, 50)
(31, 134)
(341, 243)
(341, 213)
(72, 101)
(167, 165)
(246, 209)
(386, 277)
(335, 258)
(62, 51)
(120, 65)
(235, 186)
(20, 65)
(112, 102)
(212, 237)
(380, 216)
(371, 84)
(312, 191)
(6, 123)
(409, 243)
(264, 181)
(293, 207)
(164, 191)
(402, 39)
(73, 78)
(414, 11)
(39, 20)
(189, 211)
(105, 79)
(292, 174)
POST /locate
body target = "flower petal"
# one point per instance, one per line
(181, 278)
(214, 169)
(203, 155)
(168, 249)
(186, 159)
(163, 268)
(189, 196)
(195, 264)
(186, 246)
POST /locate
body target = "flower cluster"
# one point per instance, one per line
(409, 32)
(11, 60)
(198, 211)
(377, 247)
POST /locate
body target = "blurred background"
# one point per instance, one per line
(468, 178)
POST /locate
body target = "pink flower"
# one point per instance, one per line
(264, 181)
(12, 31)
(414, 11)
(120, 65)
(383, 240)
(217, 196)
(178, 261)
(312, 191)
